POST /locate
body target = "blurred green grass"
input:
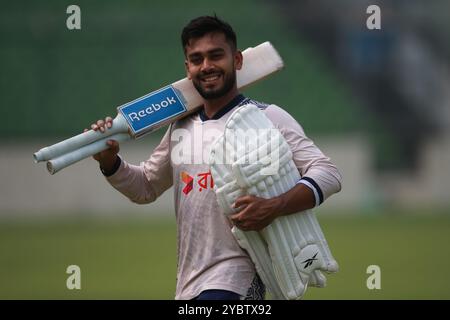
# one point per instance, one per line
(136, 259)
(118, 259)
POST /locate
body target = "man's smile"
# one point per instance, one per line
(211, 78)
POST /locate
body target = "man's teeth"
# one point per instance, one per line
(211, 78)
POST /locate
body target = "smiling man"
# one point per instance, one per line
(211, 264)
(211, 64)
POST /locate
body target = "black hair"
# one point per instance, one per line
(200, 26)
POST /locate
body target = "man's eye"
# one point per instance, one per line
(216, 56)
(196, 60)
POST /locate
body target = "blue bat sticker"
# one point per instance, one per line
(145, 112)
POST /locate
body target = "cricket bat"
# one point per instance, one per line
(155, 110)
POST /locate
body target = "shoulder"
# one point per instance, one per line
(259, 104)
(279, 117)
(185, 122)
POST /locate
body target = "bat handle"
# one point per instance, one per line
(119, 126)
(65, 160)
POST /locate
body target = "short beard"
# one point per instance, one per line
(215, 94)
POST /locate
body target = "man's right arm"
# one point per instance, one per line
(143, 183)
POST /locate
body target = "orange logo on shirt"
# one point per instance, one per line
(202, 181)
(186, 178)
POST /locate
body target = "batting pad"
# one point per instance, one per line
(252, 157)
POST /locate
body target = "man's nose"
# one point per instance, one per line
(207, 65)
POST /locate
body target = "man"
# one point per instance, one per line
(211, 265)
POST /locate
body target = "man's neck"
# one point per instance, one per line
(212, 106)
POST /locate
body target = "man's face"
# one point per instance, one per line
(211, 64)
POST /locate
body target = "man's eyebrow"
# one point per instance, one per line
(212, 51)
(216, 50)
(194, 54)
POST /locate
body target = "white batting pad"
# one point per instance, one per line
(252, 157)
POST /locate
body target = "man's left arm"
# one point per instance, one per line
(320, 178)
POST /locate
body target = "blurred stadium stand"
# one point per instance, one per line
(63, 79)
(400, 73)
(375, 101)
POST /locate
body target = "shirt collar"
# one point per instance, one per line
(233, 103)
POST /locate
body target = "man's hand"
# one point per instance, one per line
(108, 157)
(257, 213)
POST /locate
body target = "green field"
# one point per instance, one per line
(136, 259)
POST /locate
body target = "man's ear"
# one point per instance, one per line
(238, 60)
(188, 74)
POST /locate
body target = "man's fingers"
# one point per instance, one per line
(242, 201)
(101, 125)
(238, 222)
(112, 143)
(236, 218)
(109, 121)
(113, 146)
